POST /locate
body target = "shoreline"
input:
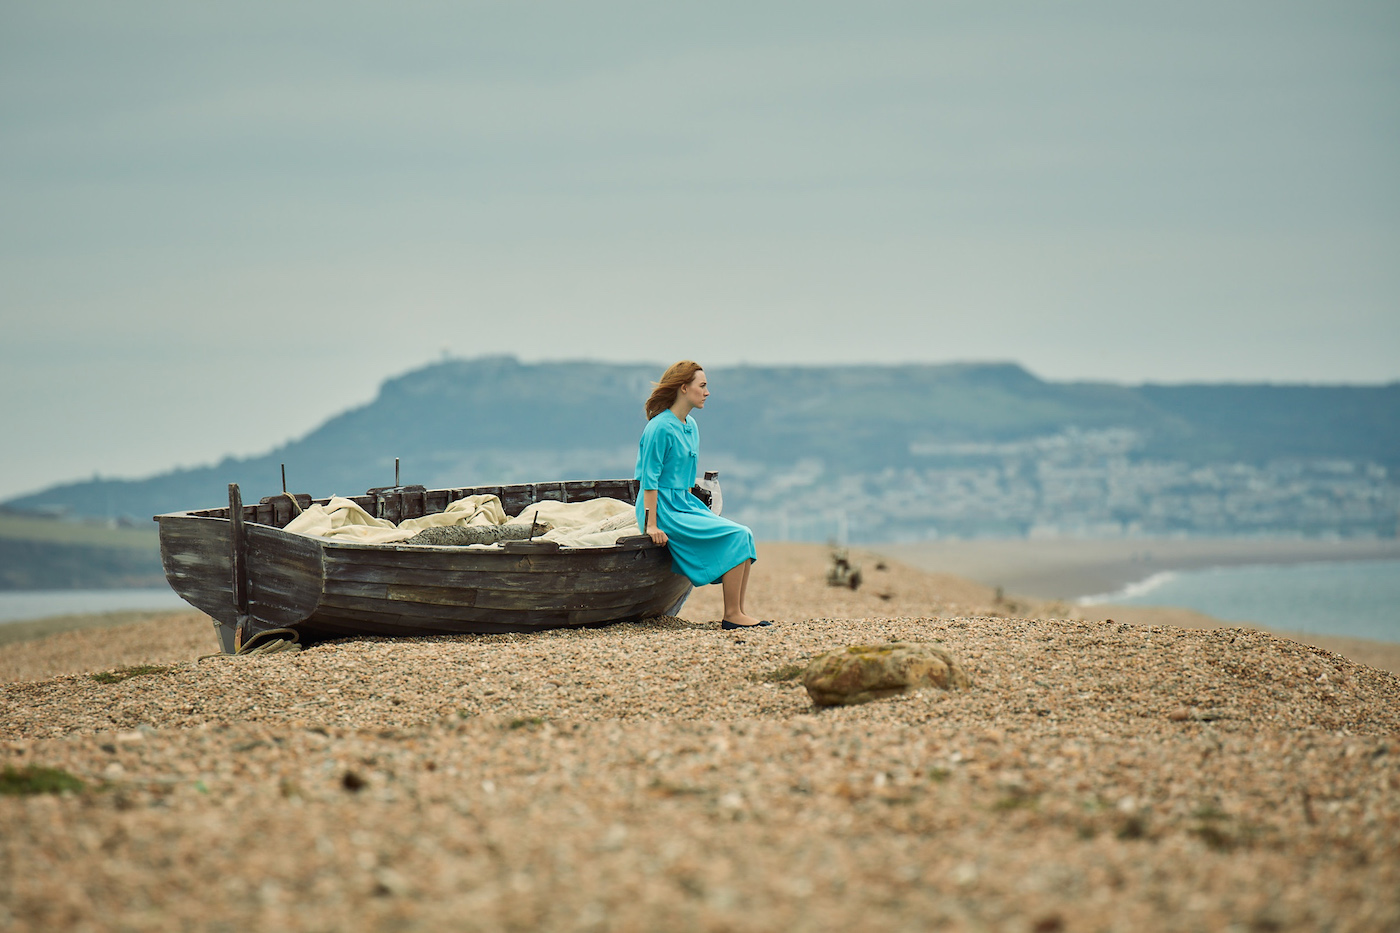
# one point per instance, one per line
(19, 606)
(1074, 568)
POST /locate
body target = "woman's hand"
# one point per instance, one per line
(649, 503)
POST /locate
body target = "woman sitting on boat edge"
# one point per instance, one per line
(706, 547)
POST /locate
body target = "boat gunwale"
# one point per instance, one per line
(399, 546)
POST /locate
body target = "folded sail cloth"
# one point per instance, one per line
(344, 520)
(595, 523)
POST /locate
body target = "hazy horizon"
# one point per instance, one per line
(225, 224)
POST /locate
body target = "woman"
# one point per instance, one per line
(705, 547)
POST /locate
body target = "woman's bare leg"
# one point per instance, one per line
(733, 585)
(744, 586)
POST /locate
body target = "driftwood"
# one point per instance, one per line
(842, 572)
(462, 535)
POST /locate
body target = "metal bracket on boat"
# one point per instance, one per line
(637, 542)
(529, 547)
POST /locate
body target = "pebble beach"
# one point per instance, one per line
(1101, 773)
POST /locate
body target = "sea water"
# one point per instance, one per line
(23, 605)
(1360, 598)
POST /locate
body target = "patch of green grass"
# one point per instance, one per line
(1132, 827)
(1215, 837)
(525, 722)
(667, 789)
(1016, 802)
(126, 673)
(780, 675)
(89, 533)
(1224, 834)
(35, 779)
(939, 775)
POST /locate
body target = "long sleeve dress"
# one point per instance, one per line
(704, 546)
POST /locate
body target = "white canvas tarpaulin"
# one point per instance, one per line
(595, 523)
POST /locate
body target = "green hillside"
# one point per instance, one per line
(98, 534)
(49, 554)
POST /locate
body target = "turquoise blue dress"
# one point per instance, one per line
(704, 546)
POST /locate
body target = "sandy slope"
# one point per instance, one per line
(1097, 776)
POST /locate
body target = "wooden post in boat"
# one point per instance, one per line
(238, 559)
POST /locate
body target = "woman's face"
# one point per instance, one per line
(695, 392)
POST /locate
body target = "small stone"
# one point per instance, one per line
(862, 673)
(389, 883)
(1180, 714)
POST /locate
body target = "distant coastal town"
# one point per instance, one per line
(1071, 484)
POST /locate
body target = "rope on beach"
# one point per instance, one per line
(262, 644)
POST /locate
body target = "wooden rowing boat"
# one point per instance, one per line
(239, 566)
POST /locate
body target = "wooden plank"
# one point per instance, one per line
(425, 600)
(430, 617)
(426, 604)
(237, 554)
(606, 560)
(195, 554)
(341, 590)
(286, 574)
(326, 628)
(613, 603)
(352, 620)
(522, 581)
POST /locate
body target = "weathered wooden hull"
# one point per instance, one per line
(324, 588)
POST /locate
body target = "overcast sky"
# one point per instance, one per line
(222, 223)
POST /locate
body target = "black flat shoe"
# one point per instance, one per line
(728, 626)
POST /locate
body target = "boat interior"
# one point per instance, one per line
(397, 503)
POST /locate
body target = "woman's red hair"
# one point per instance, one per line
(663, 396)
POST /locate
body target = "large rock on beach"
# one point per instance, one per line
(862, 673)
